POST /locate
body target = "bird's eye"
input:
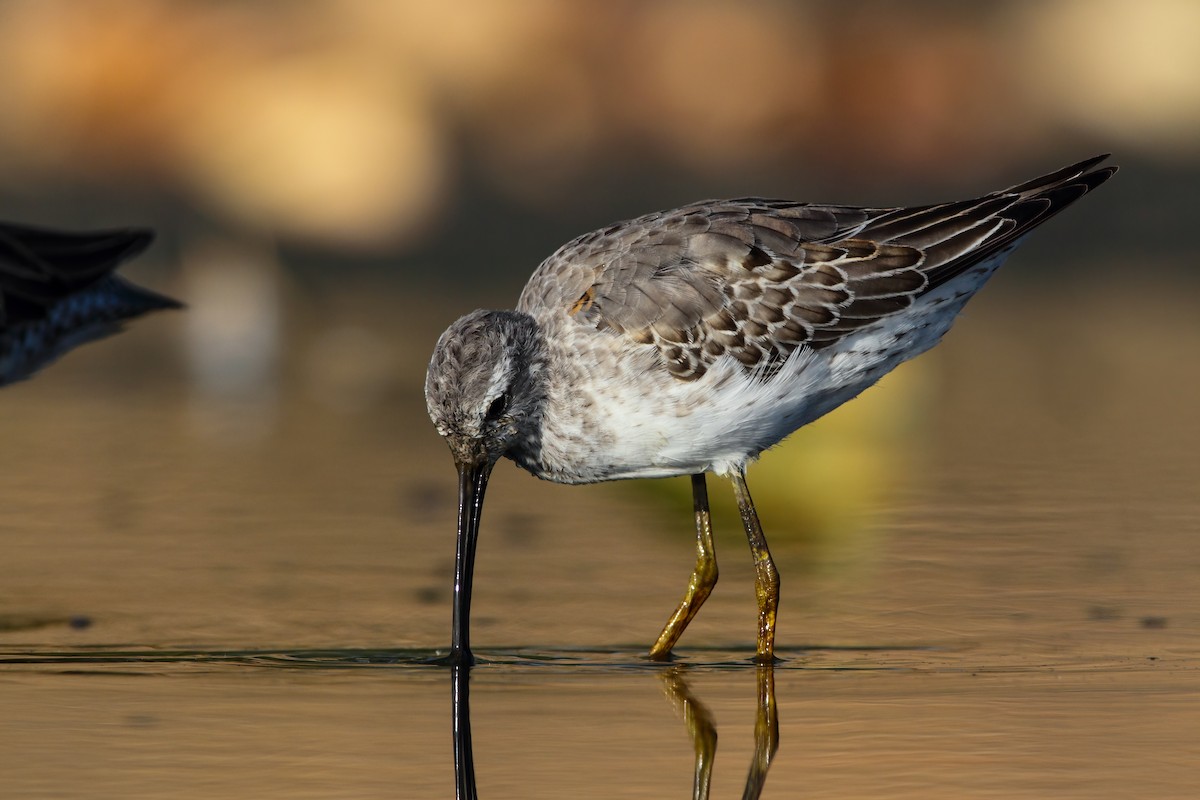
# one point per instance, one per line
(498, 407)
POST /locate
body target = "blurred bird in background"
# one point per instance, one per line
(58, 290)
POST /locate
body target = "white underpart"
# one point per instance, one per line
(648, 424)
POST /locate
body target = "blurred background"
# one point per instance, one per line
(989, 561)
(334, 181)
(447, 148)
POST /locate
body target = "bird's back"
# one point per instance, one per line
(756, 278)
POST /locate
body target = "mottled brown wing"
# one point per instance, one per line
(948, 232)
(699, 280)
(758, 278)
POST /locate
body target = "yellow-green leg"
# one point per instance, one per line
(766, 577)
(704, 577)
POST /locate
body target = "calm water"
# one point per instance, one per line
(228, 590)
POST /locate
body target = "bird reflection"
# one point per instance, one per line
(696, 716)
(703, 730)
(464, 758)
(700, 725)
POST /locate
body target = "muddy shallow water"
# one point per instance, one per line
(236, 596)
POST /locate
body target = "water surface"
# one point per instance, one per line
(243, 596)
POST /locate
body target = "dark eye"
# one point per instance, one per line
(498, 407)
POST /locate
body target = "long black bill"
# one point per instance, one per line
(472, 481)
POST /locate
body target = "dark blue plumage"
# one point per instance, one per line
(57, 291)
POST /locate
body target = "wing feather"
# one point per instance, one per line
(756, 279)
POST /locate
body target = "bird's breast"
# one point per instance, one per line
(614, 415)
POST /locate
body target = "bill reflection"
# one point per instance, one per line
(699, 720)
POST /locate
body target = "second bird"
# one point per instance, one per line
(58, 291)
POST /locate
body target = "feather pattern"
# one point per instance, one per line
(756, 279)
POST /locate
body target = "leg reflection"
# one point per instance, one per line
(703, 730)
(766, 733)
(464, 758)
(700, 725)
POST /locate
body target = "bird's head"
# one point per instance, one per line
(484, 391)
(483, 388)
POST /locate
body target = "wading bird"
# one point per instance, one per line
(689, 341)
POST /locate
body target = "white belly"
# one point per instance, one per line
(638, 421)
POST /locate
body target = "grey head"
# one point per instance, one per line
(485, 389)
(485, 386)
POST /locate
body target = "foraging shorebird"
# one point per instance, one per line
(58, 291)
(689, 341)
